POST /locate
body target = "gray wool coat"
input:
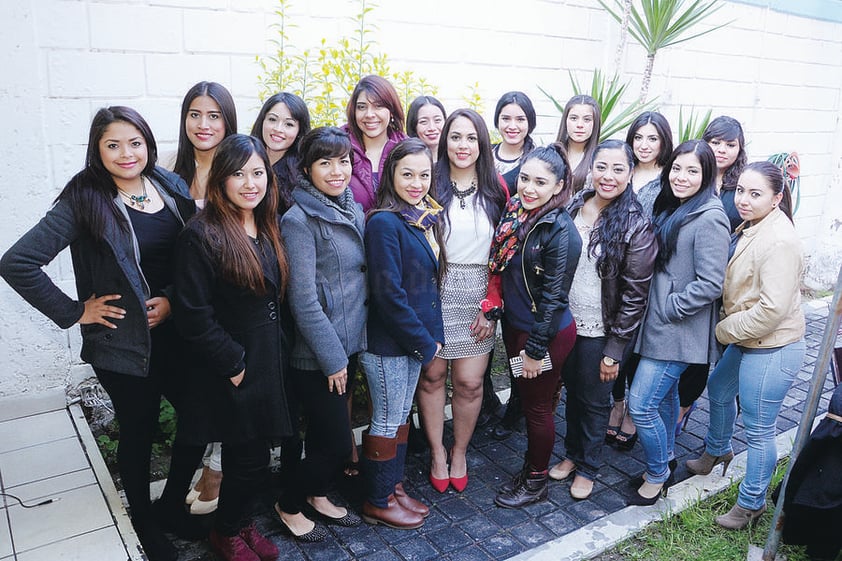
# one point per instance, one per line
(327, 288)
(681, 316)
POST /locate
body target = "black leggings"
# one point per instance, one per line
(691, 385)
(245, 465)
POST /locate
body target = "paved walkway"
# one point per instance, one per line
(44, 456)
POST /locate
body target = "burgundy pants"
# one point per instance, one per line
(538, 395)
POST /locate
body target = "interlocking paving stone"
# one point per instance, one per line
(468, 526)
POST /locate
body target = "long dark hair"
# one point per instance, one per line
(774, 178)
(729, 129)
(238, 261)
(670, 213)
(388, 199)
(581, 172)
(286, 169)
(185, 159)
(378, 90)
(609, 232)
(91, 192)
(490, 193)
(415, 107)
(555, 156)
(663, 129)
(521, 100)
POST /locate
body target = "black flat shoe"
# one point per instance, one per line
(317, 534)
(350, 520)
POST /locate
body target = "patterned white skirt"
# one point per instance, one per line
(462, 289)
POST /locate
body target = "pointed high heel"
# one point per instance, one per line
(459, 483)
(682, 423)
(612, 431)
(705, 463)
(636, 499)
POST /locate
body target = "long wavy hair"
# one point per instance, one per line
(662, 127)
(609, 232)
(185, 159)
(490, 194)
(226, 239)
(388, 199)
(286, 169)
(669, 211)
(774, 178)
(521, 100)
(729, 129)
(555, 156)
(580, 174)
(91, 192)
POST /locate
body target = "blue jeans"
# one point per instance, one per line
(762, 377)
(391, 382)
(588, 405)
(653, 404)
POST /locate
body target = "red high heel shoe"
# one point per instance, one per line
(459, 483)
(440, 485)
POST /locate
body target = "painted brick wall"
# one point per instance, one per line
(779, 74)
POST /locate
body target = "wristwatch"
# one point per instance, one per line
(490, 311)
(608, 361)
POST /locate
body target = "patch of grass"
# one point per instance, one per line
(692, 535)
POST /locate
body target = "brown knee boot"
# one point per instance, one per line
(381, 506)
(405, 500)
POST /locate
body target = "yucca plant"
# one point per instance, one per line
(693, 126)
(657, 24)
(608, 93)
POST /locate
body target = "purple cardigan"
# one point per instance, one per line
(362, 180)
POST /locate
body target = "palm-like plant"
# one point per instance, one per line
(607, 93)
(693, 126)
(662, 23)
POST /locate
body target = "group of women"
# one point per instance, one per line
(251, 282)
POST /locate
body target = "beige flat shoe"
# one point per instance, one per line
(581, 488)
(562, 470)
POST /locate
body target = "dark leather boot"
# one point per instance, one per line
(381, 506)
(518, 479)
(405, 500)
(513, 414)
(532, 489)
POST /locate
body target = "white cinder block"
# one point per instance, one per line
(224, 32)
(173, 75)
(62, 24)
(205, 4)
(95, 74)
(129, 28)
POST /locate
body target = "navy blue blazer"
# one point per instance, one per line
(404, 317)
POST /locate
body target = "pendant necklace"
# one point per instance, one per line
(464, 194)
(139, 201)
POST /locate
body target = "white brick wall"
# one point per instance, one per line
(779, 74)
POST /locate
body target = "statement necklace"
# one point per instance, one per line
(140, 201)
(462, 195)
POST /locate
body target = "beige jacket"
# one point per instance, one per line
(761, 299)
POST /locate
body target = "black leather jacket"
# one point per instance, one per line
(550, 253)
(624, 297)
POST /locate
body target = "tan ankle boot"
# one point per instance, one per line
(704, 464)
(738, 517)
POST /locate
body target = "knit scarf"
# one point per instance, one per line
(344, 203)
(506, 243)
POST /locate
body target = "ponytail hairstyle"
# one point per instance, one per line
(774, 177)
(555, 156)
(669, 212)
(91, 192)
(609, 232)
(490, 194)
(728, 129)
(285, 169)
(415, 107)
(580, 174)
(521, 100)
(388, 199)
(185, 159)
(226, 239)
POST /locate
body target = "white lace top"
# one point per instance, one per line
(586, 291)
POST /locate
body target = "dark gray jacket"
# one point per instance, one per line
(112, 267)
(327, 282)
(682, 313)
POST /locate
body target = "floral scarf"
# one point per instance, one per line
(506, 243)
